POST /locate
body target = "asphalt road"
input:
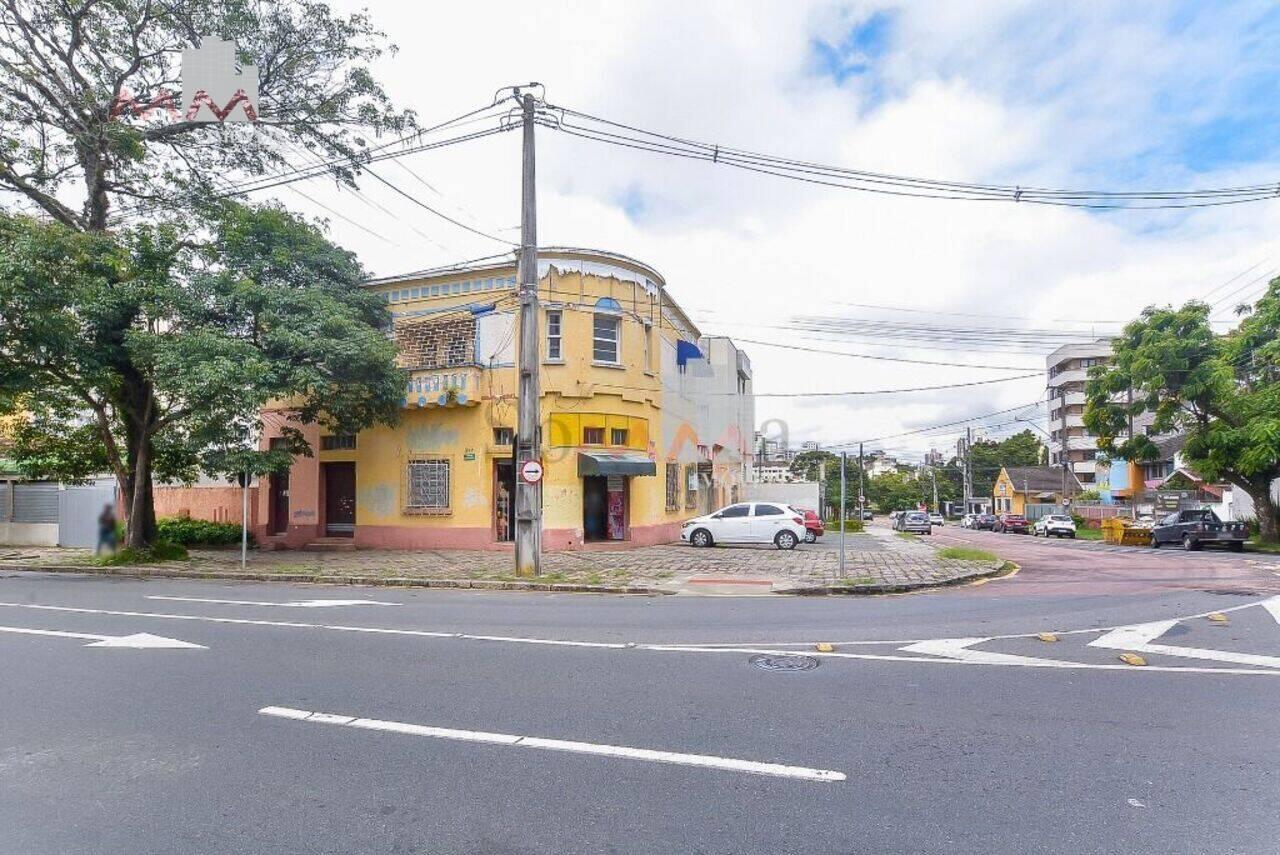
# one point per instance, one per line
(996, 743)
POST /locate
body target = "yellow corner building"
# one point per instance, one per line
(644, 421)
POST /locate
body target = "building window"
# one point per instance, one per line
(428, 486)
(606, 323)
(593, 436)
(554, 320)
(504, 436)
(690, 487)
(338, 442)
(618, 436)
(673, 486)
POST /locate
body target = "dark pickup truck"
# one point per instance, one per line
(1193, 529)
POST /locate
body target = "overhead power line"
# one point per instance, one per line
(595, 128)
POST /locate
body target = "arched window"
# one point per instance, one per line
(606, 326)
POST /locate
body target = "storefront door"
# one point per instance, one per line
(340, 499)
(504, 491)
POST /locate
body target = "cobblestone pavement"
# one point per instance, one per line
(876, 558)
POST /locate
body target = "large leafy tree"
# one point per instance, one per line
(1223, 391)
(150, 355)
(141, 333)
(68, 149)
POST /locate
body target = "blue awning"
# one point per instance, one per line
(686, 350)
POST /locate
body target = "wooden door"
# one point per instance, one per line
(340, 499)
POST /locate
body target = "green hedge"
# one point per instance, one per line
(849, 525)
(192, 532)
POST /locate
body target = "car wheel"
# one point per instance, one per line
(1189, 543)
(1155, 544)
(785, 540)
(701, 537)
(1236, 546)
(810, 537)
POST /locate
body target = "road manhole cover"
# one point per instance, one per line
(784, 663)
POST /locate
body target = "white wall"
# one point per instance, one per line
(802, 494)
(28, 534)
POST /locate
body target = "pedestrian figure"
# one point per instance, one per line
(106, 530)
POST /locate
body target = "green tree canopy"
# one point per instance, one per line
(67, 66)
(147, 354)
(1223, 391)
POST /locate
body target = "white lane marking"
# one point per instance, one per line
(1138, 638)
(419, 633)
(295, 604)
(139, 640)
(708, 761)
(1271, 604)
(958, 648)
(659, 648)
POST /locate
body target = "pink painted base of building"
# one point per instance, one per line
(406, 537)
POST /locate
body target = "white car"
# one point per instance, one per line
(967, 520)
(746, 522)
(936, 519)
(1058, 525)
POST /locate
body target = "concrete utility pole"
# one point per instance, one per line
(244, 521)
(862, 500)
(967, 470)
(843, 456)
(528, 496)
(933, 476)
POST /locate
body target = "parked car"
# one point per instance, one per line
(1194, 529)
(917, 521)
(984, 521)
(746, 522)
(936, 518)
(966, 521)
(1057, 525)
(867, 515)
(813, 527)
(1011, 522)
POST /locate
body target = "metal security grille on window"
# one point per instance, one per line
(619, 436)
(503, 436)
(593, 436)
(553, 335)
(428, 487)
(605, 339)
(673, 487)
(335, 443)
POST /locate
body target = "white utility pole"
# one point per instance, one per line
(862, 500)
(528, 516)
(244, 522)
(843, 455)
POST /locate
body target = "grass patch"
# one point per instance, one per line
(1256, 545)
(860, 580)
(1088, 534)
(158, 552)
(966, 553)
(906, 535)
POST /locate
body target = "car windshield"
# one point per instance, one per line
(1059, 518)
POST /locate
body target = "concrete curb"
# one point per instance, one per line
(895, 587)
(150, 571)
(146, 572)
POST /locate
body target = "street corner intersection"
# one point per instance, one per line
(359, 719)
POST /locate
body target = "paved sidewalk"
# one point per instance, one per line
(875, 561)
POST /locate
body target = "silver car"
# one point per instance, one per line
(917, 521)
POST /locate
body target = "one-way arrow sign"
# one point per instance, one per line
(139, 640)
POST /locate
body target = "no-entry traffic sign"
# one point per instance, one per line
(531, 471)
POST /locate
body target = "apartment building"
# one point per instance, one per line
(1069, 441)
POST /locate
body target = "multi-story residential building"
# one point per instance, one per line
(879, 463)
(643, 420)
(1069, 441)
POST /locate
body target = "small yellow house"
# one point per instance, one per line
(644, 421)
(1019, 486)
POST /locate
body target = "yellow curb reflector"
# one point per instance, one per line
(1132, 659)
(1047, 636)
(824, 647)
(1218, 617)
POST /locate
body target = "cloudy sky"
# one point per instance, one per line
(1097, 95)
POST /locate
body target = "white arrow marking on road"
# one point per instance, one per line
(139, 640)
(296, 604)
(1138, 638)
(709, 761)
(958, 648)
(1272, 604)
